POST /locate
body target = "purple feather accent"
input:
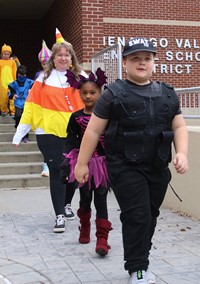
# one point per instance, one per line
(101, 77)
(92, 77)
(82, 79)
(72, 80)
(100, 80)
(97, 169)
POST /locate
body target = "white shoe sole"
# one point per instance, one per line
(69, 218)
(44, 175)
(58, 230)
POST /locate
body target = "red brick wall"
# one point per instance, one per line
(94, 28)
(161, 10)
(66, 16)
(153, 9)
(170, 33)
(81, 22)
(92, 19)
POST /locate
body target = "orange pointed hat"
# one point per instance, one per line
(59, 37)
(44, 54)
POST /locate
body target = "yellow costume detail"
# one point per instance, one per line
(7, 75)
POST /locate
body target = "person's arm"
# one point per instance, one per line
(72, 140)
(180, 160)
(95, 128)
(22, 130)
(12, 92)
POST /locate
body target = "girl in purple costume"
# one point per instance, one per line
(98, 183)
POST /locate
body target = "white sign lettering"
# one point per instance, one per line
(181, 55)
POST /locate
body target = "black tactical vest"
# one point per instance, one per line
(140, 127)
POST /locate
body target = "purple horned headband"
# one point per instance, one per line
(100, 78)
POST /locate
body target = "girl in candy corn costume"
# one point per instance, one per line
(8, 71)
(47, 110)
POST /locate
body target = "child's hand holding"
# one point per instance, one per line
(81, 173)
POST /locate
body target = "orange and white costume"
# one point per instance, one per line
(48, 107)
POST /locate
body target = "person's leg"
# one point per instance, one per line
(84, 213)
(100, 202)
(17, 117)
(12, 107)
(52, 149)
(18, 114)
(45, 170)
(103, 226)
(4, 101)
(70, 190)
(131, 189)
(158, 183)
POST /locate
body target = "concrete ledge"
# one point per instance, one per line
(187, 186)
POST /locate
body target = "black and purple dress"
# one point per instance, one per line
(97, 164)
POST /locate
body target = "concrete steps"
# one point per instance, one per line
(20, 167)
(9, 147)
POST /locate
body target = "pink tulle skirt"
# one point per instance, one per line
(97, 169)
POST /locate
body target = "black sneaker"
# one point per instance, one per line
(60, 224)
(69, 214)
(4, 114)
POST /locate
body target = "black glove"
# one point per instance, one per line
(64, 170)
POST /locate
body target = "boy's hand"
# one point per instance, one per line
(15, 97)
(180, 163)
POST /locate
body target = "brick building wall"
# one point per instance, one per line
(81, 23)
(173, 24)
(92, 25)
(176, 22)
(67, 17)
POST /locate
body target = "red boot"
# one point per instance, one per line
(84, 237)
(103, 227)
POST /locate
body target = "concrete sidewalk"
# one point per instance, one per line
(30, 253)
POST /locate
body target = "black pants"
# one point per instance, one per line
(100, 200)
(18, 115)
(139, 194)
(52, 147)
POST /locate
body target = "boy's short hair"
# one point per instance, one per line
(138, 44)
(21, 70)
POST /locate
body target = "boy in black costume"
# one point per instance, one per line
(142, 118)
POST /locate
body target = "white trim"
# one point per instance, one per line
(151, 22)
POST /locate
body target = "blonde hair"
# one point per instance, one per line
(75, 68)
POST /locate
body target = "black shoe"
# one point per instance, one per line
(69, 214)
(60, 224)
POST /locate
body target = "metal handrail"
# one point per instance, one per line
(189, 101)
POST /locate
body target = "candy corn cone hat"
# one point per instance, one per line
(44, 54)
(59, 37)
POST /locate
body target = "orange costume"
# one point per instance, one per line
(7, 75)
(48, 107)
